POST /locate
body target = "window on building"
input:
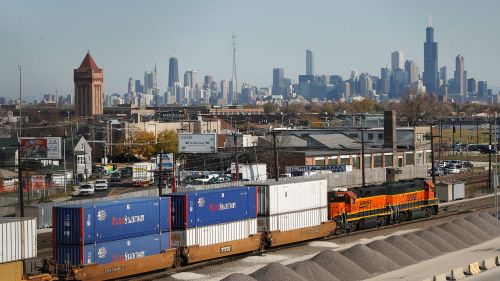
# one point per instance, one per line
(419, 158)
(409, 159)
(370, 136)
(345, 161)
(380, 136)
(332, 161)
(388, 160)
(368, 161)
(320, 161)
(400, 161)
(377, 161)
(419, 137)
(428, 157)
(355, 162)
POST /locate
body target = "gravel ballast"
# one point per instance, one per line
(276, 272)
(422, 244)
(490, 218)
(472, 229)
(339, 266)
(238, 277)
(391, 252)
(408, 247)
(370, 260)
(446, 236)
(460, 233)
(436, 241)
(310, 270)
(484, 225)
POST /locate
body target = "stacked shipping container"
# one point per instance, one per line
(213, 216)
(18, 240)
(289, 205)
(111, 231)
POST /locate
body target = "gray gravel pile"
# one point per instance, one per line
(422, 244)
(238, 277)
(370, 260)
(474, 230)
(436, 241)
(408, 247)
(446, 236)
(490, 218)
(310, 270)
(276, 272)
(460, 233)
(339, 266)
(391, 252)
(484, 225)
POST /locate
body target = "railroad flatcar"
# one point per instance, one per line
(346, 210)
(372, 206)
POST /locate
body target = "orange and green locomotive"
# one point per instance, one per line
(376, 205)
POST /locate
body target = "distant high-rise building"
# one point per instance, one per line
(309, 62)
(190, 77)
(131, 85)
(207, 81)
(365, 84)
(224, 89)
(443, 76)
(471, 86)
(459, 87)
(138, 86)
(482, 89)
(411, 71)
(89, 98)
(173, 71)
(278, 81)
(431, 78)
(232, 95)
(397, 60)
(399, 80)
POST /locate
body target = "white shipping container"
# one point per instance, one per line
(293, 220)
(290, 196)
(213, 234)
(17, 239)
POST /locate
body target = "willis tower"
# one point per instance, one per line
(431, 76)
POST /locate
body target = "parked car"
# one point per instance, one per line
(101, 185)
(451, 169)
(467, 164)
(86, 190)
(438, 172)
(224, 179)
(115, 177)
(126, 172)
(206, 178)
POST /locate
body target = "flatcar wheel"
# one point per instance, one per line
(351, 227)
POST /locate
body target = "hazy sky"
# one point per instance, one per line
(50, 38)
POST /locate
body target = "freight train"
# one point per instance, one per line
(217, 223)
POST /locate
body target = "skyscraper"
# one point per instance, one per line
(89, 98)
(431, 78)
(131, 85)
(411, 71)
(224, 88)
(397, 60)
(459, 87)
(278, 81)
(173, 71)
(309, 62)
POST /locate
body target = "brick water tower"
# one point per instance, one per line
(89, 97)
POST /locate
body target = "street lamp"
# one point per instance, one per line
(282, 117)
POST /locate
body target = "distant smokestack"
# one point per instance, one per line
(390, 140)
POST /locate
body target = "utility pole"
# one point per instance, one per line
(237, 168)
(490, 186)
(440, 137)
(433, 167)
(275, 151)
(160, 170)
(363, 176)
(495, 185)
(19, 164)
(453, 136)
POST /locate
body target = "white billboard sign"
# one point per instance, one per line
(197, 143)
(41, 148)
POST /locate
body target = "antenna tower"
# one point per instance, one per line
(235, 75)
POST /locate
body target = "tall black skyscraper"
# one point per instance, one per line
(173, 71)
(431, 76)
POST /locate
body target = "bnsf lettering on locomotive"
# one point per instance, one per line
(365, 204)
(412, 197)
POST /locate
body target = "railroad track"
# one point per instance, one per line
(452, 210)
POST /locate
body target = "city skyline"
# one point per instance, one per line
(48, 57)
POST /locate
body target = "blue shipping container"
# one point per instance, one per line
(113, 251)
(113, 220)
(213, 206)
